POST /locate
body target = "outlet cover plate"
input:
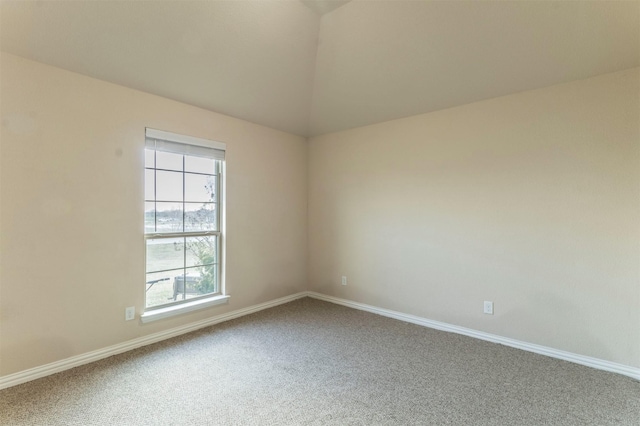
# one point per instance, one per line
(129, 313)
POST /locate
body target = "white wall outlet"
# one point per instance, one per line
(344, 280)
(488, 307)
(129, 313)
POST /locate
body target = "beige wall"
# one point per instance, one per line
(530, 200)
(71, 225)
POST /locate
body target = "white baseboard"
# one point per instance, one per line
(75, 361)
(599, 364)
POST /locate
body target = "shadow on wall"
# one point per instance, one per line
(543, 329)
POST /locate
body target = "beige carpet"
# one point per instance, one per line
(314, 363)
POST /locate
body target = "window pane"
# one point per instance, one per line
(149, 158)
(149, 185)
(201, 250)
(200, 217)
(199, 164)
(165, 253)
(169, 217)
(168, 186)
(160, 286)
(149, 217)
(199, 187)
(180, 196)
(200, 281)
(168, 160)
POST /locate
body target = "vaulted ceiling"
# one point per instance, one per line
(312, 67)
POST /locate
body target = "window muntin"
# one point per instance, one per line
(182, 222)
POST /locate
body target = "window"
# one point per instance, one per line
(183, 204)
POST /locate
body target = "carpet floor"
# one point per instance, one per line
(310, 362)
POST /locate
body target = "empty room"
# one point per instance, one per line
(317, 212)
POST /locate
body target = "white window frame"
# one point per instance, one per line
(189, 145)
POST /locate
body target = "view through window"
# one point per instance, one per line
(181, 219)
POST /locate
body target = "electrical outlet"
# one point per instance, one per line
(129, 313)
(488, 307)
(344, 280)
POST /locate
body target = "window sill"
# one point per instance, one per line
(171, 311)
